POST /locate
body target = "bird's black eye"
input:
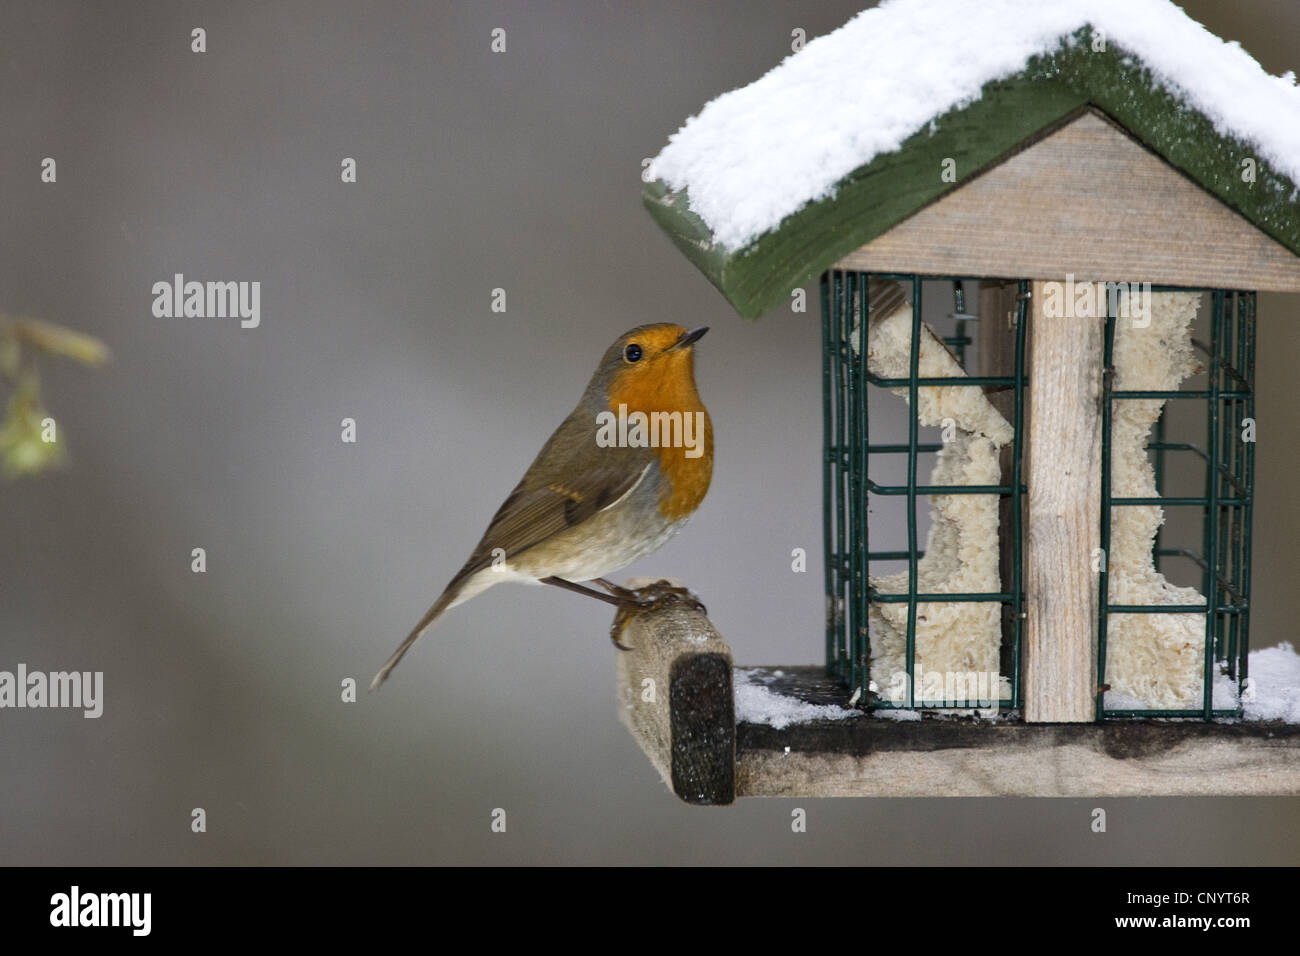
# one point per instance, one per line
(632, 353)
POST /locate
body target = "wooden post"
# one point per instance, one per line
(675, 695)
(1064, 515)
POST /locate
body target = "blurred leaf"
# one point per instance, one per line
(58, 340)
(22, 449)
(9, 354)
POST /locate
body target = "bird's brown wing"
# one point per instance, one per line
(559, 490)
(533, 514)
(570, 480)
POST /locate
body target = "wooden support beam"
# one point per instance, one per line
(965, 757)
(1063, 529)
(675, 696)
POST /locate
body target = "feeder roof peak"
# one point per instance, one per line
(887, 86)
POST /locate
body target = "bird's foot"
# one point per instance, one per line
(663, 593)
(621, 617)
(658, 594)
(652, 597)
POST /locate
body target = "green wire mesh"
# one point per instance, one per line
(847, 487)
(847, 490)
(1225, 505)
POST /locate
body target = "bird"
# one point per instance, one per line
(616, 480)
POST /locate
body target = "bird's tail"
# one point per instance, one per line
(447, 600)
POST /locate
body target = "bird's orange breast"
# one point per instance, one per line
(672, 390)
(688, 478)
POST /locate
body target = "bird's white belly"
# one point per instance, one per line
(606, 544)
(613, 552)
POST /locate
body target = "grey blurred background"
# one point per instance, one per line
(476, 171)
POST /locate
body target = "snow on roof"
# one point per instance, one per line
(756, 155)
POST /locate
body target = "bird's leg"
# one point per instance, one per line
(579, 589)
(626, 594)
(619, 619)
(630, 602)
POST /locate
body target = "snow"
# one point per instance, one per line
(1273, 691)
(757, 704)
(760, 153)
(894, 713)
(1275, 679)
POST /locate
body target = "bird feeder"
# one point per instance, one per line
(1038, 235)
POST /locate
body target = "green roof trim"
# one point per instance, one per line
(877, 196)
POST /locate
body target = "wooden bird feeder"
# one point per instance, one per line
(1107, 202)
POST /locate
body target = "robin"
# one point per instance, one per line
(616, 480)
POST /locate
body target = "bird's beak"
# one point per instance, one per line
(688, 339)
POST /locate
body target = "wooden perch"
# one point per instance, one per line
(675, 696)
